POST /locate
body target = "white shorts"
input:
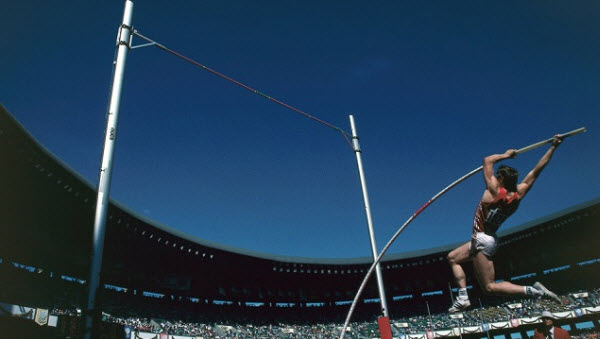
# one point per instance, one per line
(484, 243)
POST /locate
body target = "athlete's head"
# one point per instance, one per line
(508, 177)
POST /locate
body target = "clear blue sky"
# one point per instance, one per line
(434, 87)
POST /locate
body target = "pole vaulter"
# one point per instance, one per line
(429, 202)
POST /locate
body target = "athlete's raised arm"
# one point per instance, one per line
(491, 181)
(527, 183)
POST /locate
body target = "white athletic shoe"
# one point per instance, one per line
(460, 304)
(546, 293)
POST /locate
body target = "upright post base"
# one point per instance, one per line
(384, 327)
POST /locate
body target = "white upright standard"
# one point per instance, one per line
(363, 184)
(123, 45)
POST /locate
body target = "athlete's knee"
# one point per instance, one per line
(489, 288)
(453, 258)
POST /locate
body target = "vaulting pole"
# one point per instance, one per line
(92, 315)
(363, 183)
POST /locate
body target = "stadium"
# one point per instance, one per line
(160, 282)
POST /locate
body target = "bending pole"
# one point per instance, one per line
(363, 184)
(123, 42)
(547, 141)
(412, 217)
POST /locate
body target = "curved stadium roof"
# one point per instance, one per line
(48, 213)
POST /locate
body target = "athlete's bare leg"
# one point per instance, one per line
(455, 258)
(485, 273)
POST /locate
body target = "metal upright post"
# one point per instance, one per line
(450, 291)
(358, 151)
(123, 45)
(483, 324)
(430, 318)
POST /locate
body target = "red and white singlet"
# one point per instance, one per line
(489, 216)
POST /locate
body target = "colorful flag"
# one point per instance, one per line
(41, 316)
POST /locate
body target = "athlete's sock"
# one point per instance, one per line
(462, 293)
(530, 290)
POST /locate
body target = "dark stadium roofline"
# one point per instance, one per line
(282, 258)
(518, 228)
(47, 151)
(344, 261)
(160, 225)
(502, 233)
(356, 260)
